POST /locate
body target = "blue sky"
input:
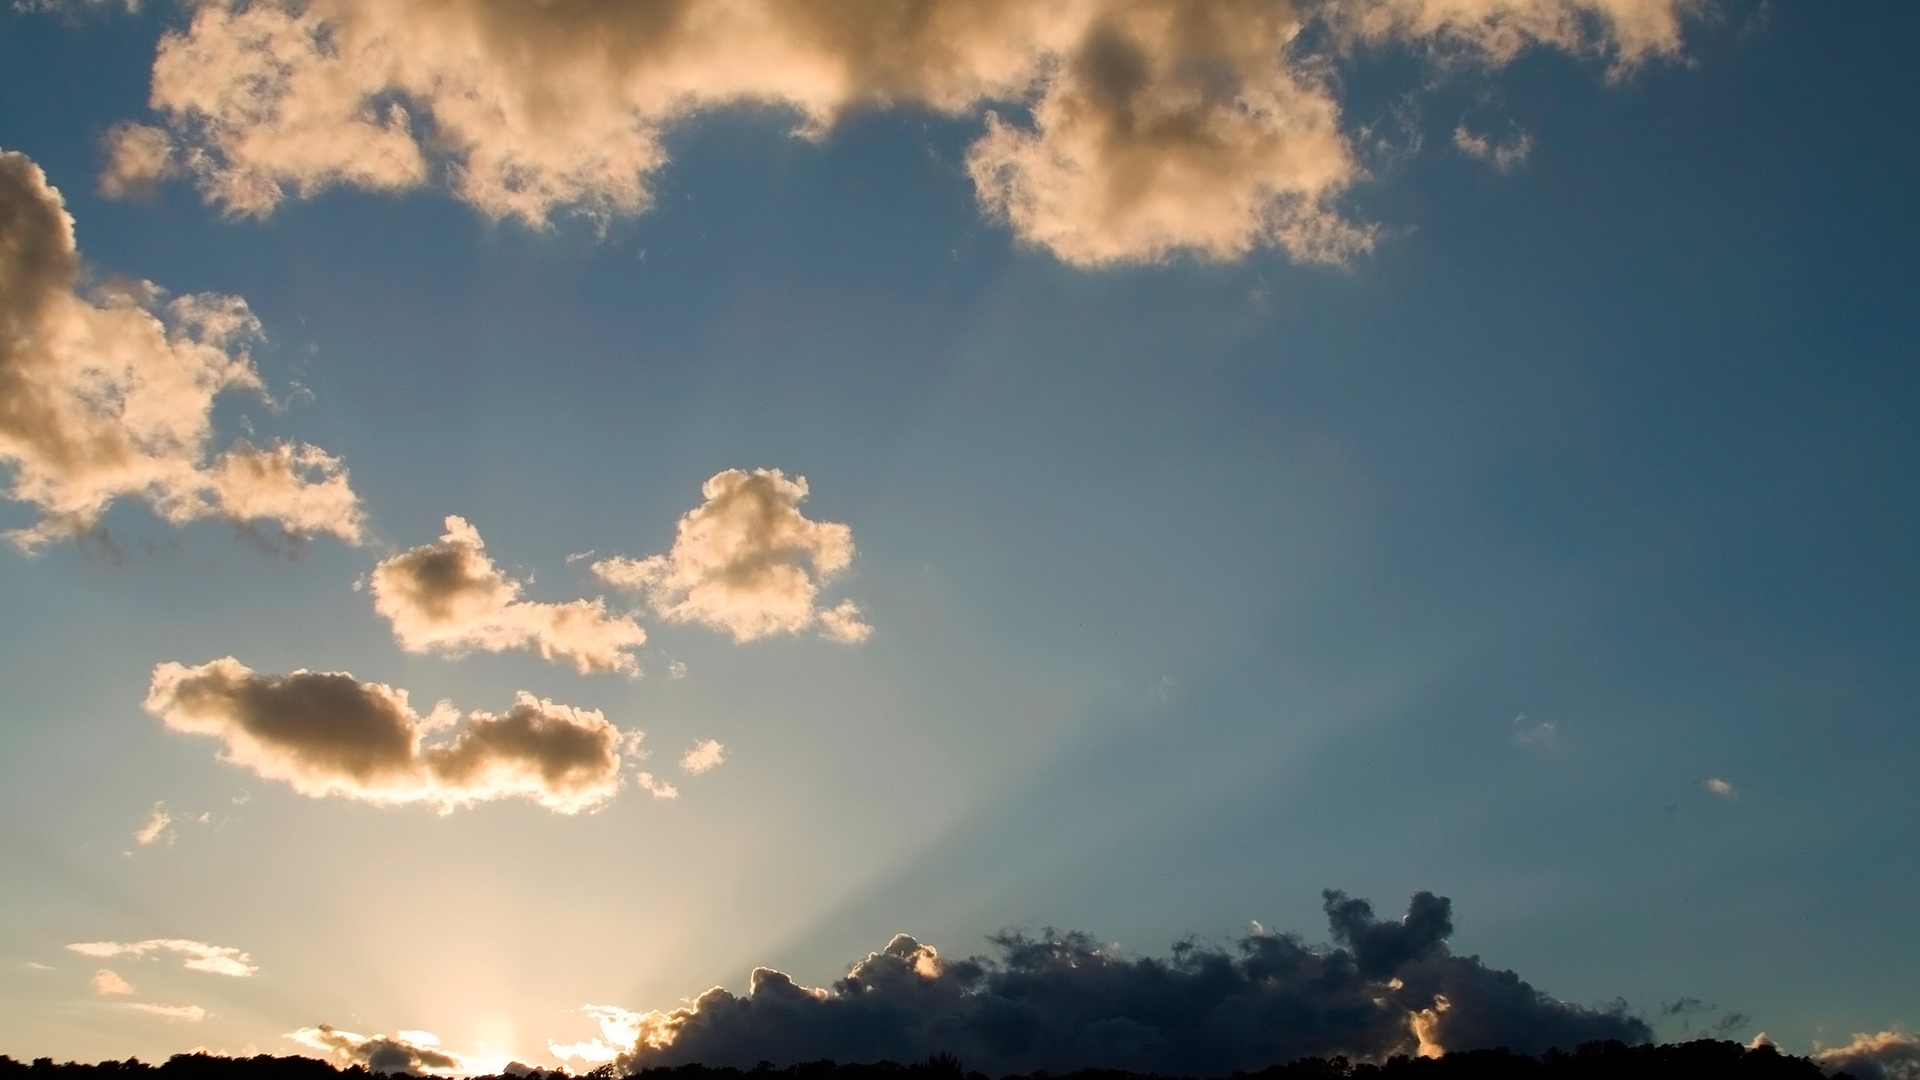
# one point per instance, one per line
(1199, 578)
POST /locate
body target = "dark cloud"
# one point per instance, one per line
(1062, 1001)
(328, 733)
(407, 1052)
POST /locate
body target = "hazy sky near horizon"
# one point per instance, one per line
(724, 487)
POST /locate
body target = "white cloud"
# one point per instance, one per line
(159, 825)
(138, 158)
(1722, 788)
(706, 754)
(747, 561)
(331, 734)
(407, 1051)
(619, 1030)
(655, 787)
(198, 955)
(1539, 734)
(110, 395)
(190, 1014)
(106, 982)
(1885, 1055)
(1116, 130)
(677, 670)
(449, 596)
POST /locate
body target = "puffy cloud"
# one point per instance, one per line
(450, 596)
(1722, 788)
(1888, 1055)
(106, 982)
(139, 156)
(189, 1014)
(331, 734)
(1062, 1002)
(705, 754)
(159, 824)
(199, 956)
(747, 561)
(409, 1051)
(109, 395)
(1116, 130)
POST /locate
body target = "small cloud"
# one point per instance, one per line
(706, 754)
(1539, 734)
(35, 965)
(172, 1014)
(198, 955)
(677, 670)
(449, 596)
(659, 789)
(1722, 788)
(138, 158)
(1503, 156)
(106, 982)
(407, 1051)
(748, 562)
(158, 827)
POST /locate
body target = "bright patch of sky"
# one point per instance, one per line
(1127, 467)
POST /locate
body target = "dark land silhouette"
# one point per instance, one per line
(1703, 1059)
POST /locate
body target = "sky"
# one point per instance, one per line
(517, 514)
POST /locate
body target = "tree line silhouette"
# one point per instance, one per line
(1702, 1059)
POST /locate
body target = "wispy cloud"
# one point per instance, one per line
(331, 734)
(187, 1014)
(655, 787)
(1722, 788)
(1538, 734)
(110, 395)
(1504, 156)
(158, 827)
(748, 562)
(197, 955)
(450, 597)
(107, 983)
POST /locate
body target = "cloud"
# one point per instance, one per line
(106, 982)
(1888, 1055)
(159, 825)
(190, 1014)
(706, 754)
(747, 561)
(409, 1051)
(331, 734)
(1061, 1002)
(619, 1030)
(655, 787)
(449, 596)
(199, 956)
(138, 158)
(109, 395)
(1502, 156)
(1722, 788)
(1115, 131)
(1539, 734)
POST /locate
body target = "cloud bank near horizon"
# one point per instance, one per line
(330, 734)
(107, 393)
(1114, 131)
(1061, 1002)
